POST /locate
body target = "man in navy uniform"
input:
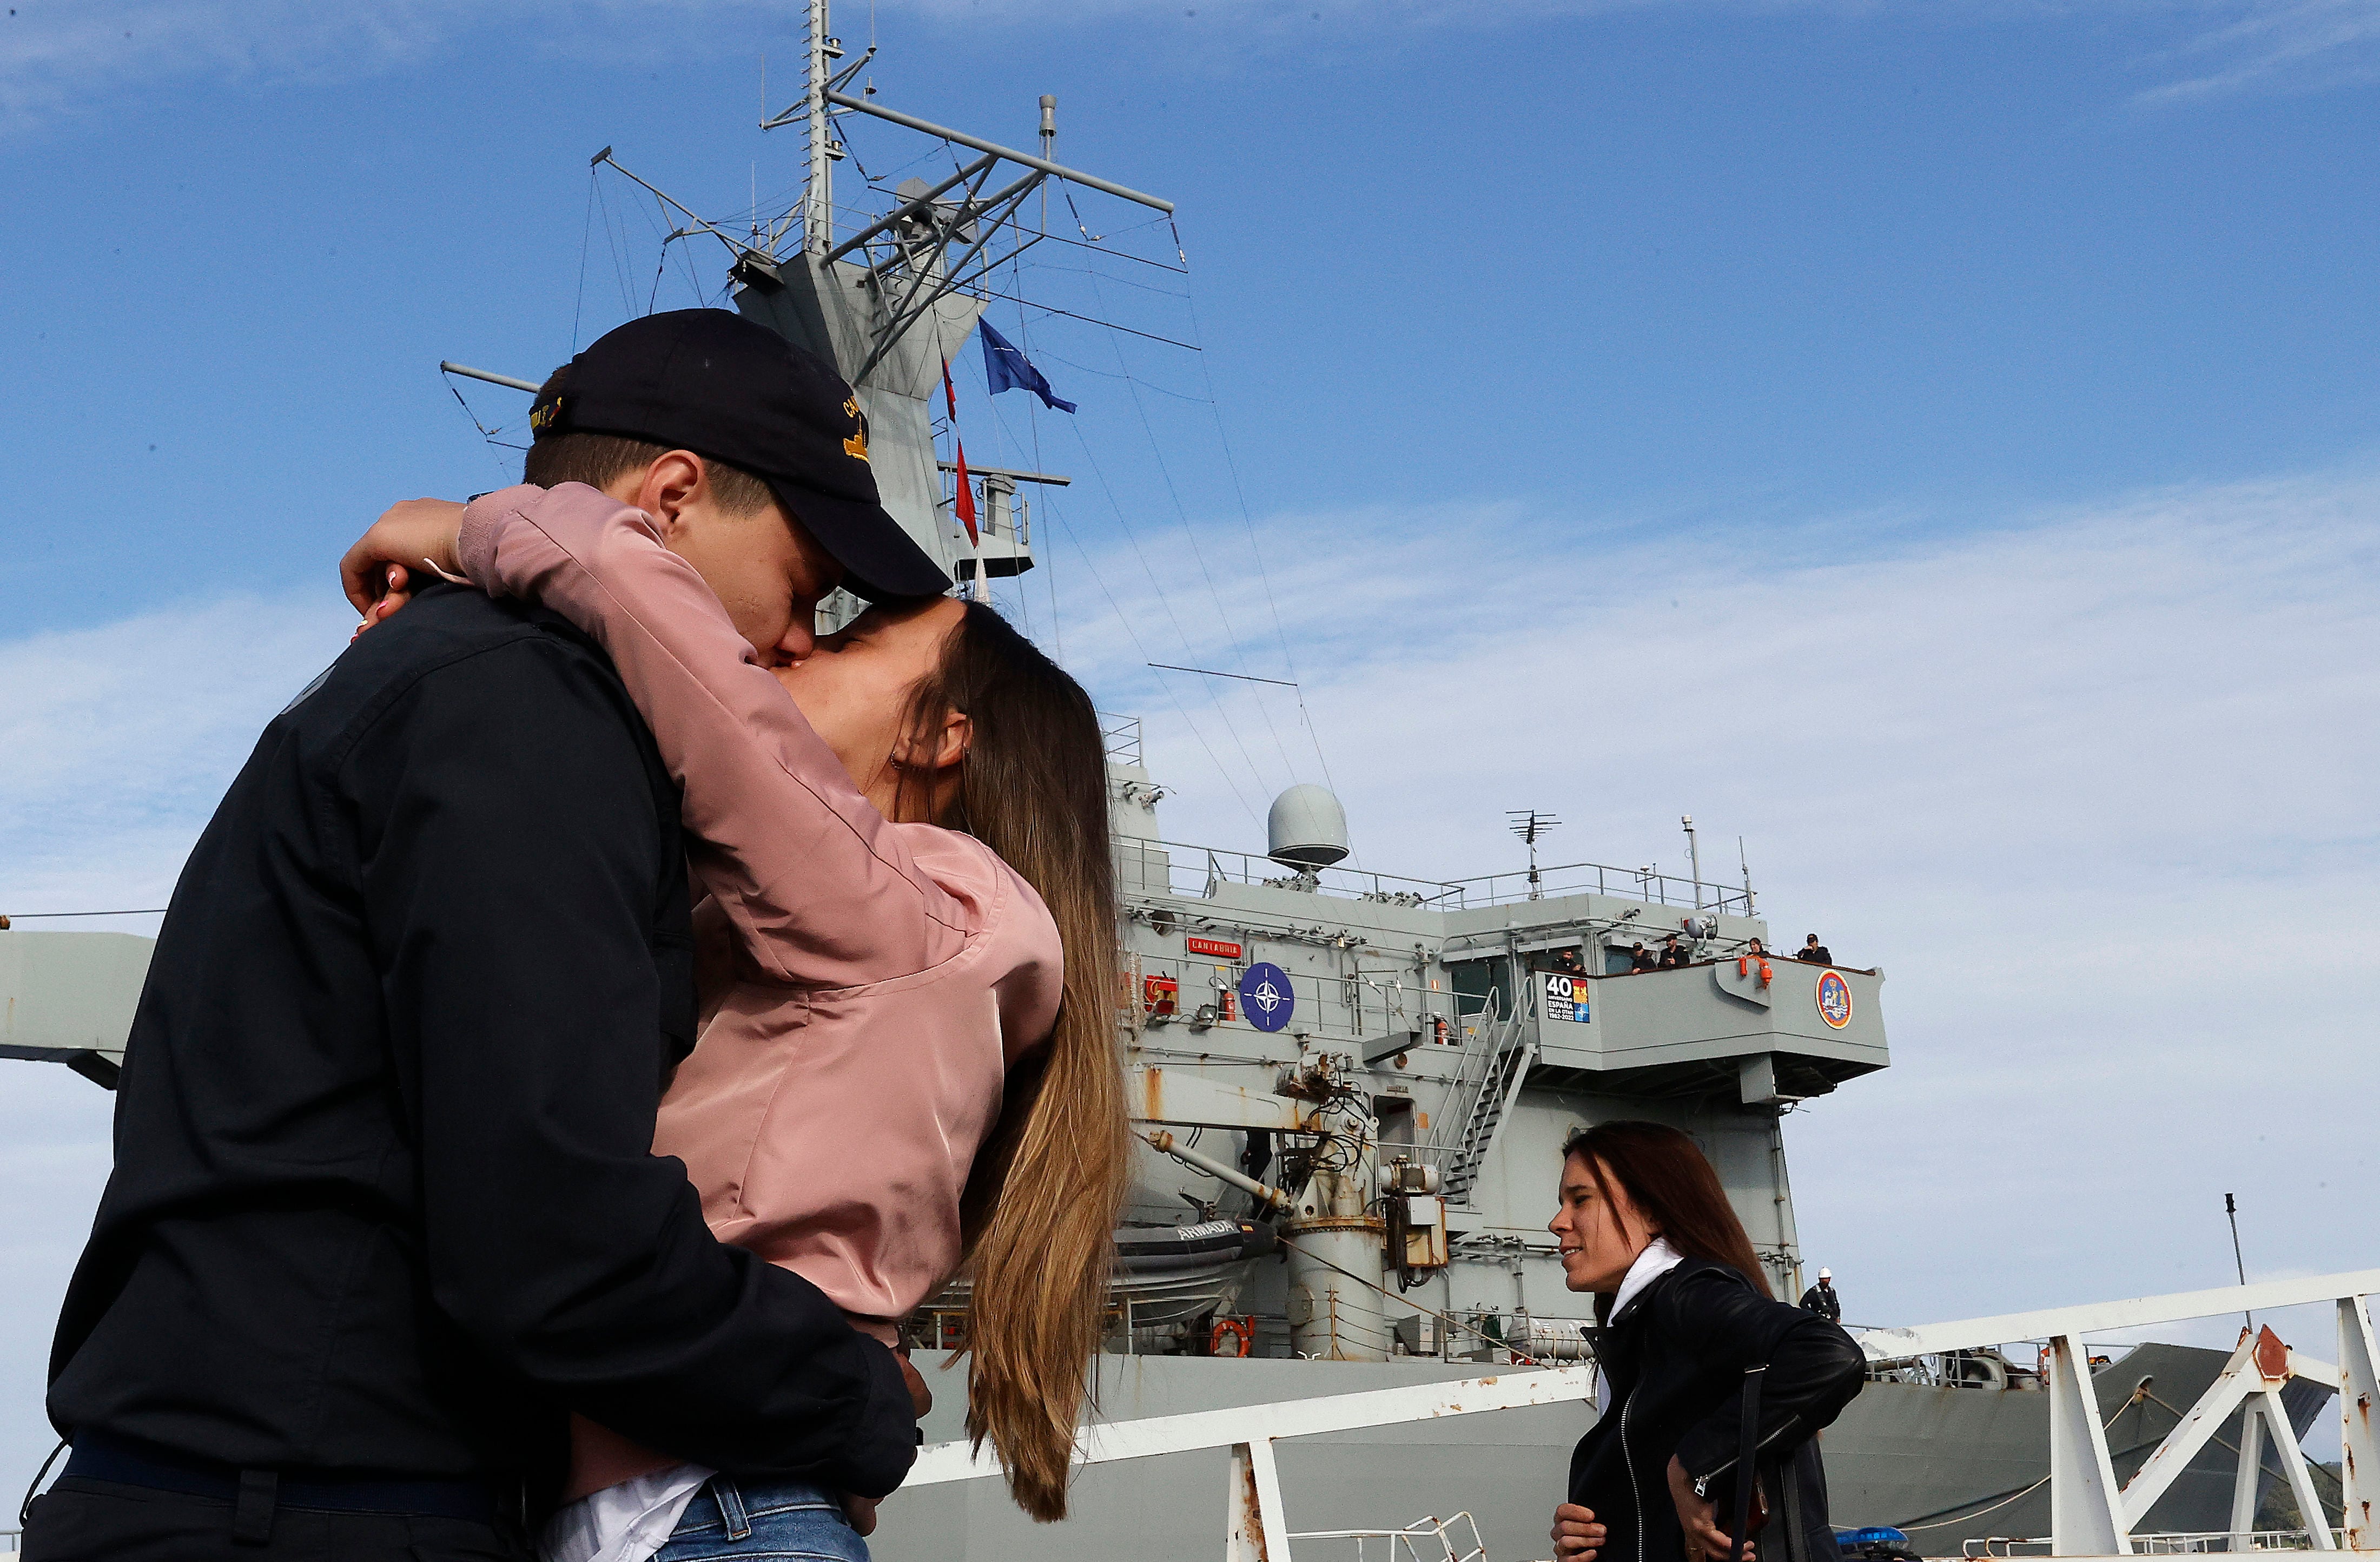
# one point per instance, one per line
(1821, 1298)
(384, 1206)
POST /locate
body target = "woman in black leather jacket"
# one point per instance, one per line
(1686, 1315)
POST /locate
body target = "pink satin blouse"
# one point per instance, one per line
(887, 975)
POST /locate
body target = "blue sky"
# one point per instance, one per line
(1705, 266)
(1935, 442)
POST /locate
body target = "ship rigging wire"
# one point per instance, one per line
(1189, 531)
(1033, 425)
(1054, 511)
(1214, 406)
(1264, 575)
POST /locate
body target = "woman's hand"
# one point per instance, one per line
(398, 593)
(1697, 1516)
(1577, 1535)
(861, 1511)
(921, 1399)
(416, 533)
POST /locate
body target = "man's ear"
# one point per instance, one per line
(671, 486)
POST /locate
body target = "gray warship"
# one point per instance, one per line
(1351, 1087)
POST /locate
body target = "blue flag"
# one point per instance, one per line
(1007, 369)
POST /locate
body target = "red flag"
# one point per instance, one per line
(966, 498)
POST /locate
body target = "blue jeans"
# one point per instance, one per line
(763, 1519)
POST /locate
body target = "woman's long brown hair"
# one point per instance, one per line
(1048, 1186)
(1673, 1187)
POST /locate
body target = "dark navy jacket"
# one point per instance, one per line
(384, 1196)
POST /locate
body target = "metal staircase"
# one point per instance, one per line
(1504, 1054)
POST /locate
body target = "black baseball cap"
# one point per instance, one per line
(709, 381)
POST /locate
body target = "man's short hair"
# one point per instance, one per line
(596, 459)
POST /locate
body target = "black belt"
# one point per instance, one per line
(99, 1457)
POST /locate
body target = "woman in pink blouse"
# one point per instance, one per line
(907, 1060)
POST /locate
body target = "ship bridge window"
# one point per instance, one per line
(1568, 961)
(1474, 981)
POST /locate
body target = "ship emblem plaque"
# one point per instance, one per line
(1834, 1000)
(1566, 998)
(1265, 996)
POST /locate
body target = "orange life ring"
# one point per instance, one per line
(1240, 1332)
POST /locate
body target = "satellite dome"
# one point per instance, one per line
(1307, 830)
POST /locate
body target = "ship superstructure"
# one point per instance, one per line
(1290, 1011)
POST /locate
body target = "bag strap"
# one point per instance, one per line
(1746, 1476)
(1788, 1499)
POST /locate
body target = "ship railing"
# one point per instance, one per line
(2175, 1543)
(1629, 883)
(2090, 1515)
(1430, 1540)
(1198, 869)
(1256, 1530)
(2181, 1542)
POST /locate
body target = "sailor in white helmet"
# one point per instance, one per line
(1821, 1298)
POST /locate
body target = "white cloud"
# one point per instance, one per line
(2096, 788)
(120, 739)
(2299, 45)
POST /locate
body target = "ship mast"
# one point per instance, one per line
(889, 304)
(817, 185)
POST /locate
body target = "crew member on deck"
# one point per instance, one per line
(1642, 959)
(1821, 1298)
(1674, 953)
(1815, 952)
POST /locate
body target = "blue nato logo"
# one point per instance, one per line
(1265, 996)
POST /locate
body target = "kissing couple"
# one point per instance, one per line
(601, 1011)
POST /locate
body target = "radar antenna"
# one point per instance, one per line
(1532, 825)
